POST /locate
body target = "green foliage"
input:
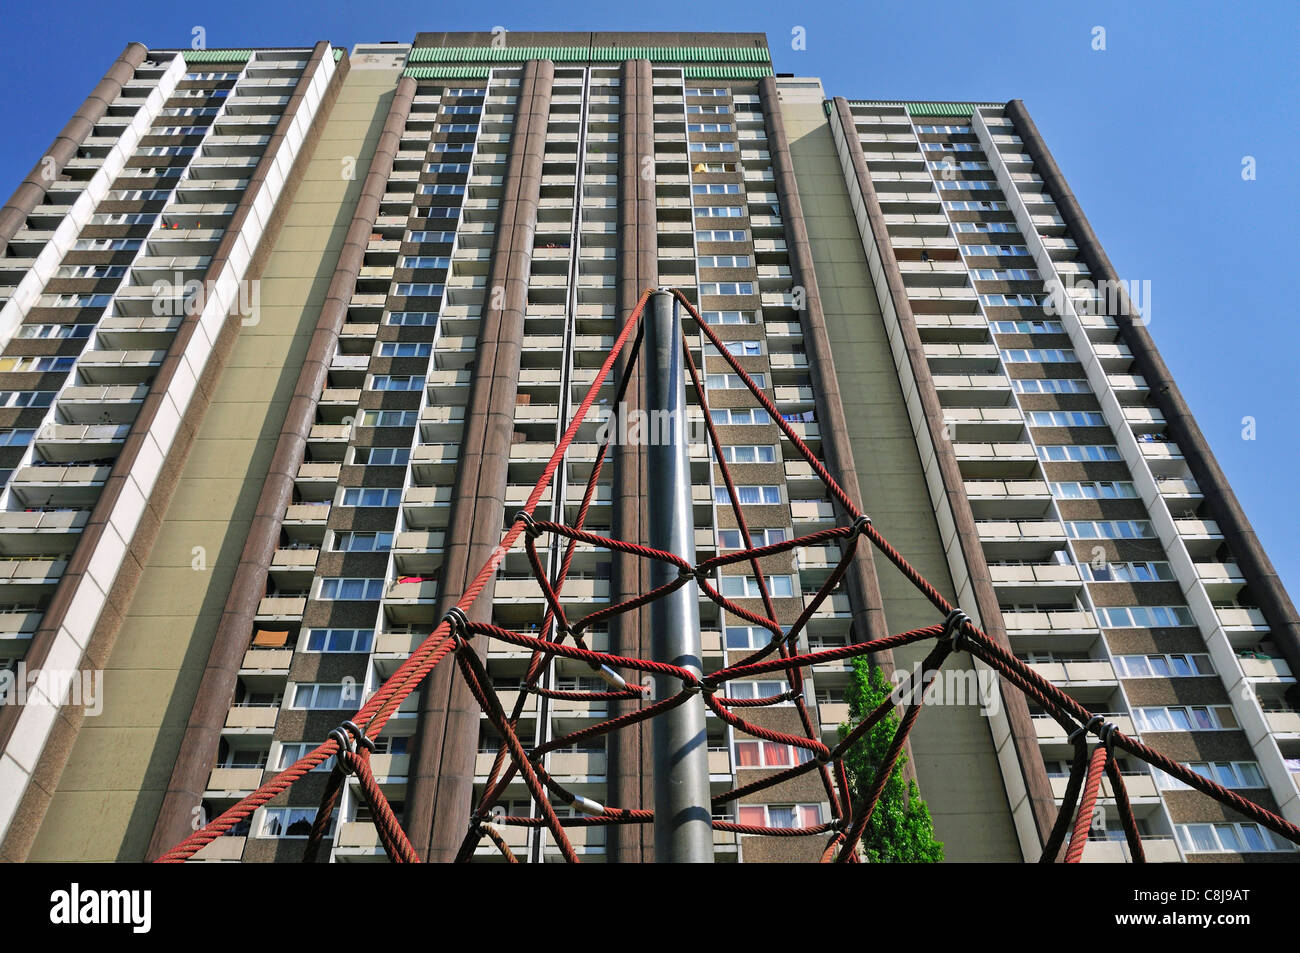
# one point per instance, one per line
(900, 830)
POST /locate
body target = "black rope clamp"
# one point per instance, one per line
(701, 686)
(459, 622)
(698, 573)
(530, 524)
(344, 736)
(1094, 720)
(953, 628)
(1107, 735)
(861, 523)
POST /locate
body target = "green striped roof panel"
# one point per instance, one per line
(217, 56)
(726, 72)
(928, 109)
(447, 72)
(571, 54)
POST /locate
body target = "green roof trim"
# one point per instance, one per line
(929, 109)
(726, 72)
(338, 55)
(583, 54)
(447, 72)
(217, 56)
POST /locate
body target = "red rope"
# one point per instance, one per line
(848, 822)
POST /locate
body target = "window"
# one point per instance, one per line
(746, 587)
(363, 542)
(16, 438)
(1109, 529)
(984, 226)
(462, 110)
(441, 238)
(733, 381)
(458, 127)
(731, 538)
(1127, 572)
(748, 494)
(779, 815)
(1095, 490)
(405, 349)
(747, 637)
(388, 418)
(291, 752)
(1013, 300)
(351, 588)
(363, 496)
(425, 261)
(720, 211)
(339, 640)
(708, 127)
(728, 317)
(381, 456)
(738, 348)
(704, 91)
(1229, 774)
(1145, 617)
(714, 167)
(706, 110)
(454, 168)
(1163, 666)
(767, 688)
(1066, 418)
(391, 382)
(417, 289)
(444, 211)
(414, 318)
(971, 206)
(739, 416)
(440, 189)
(717, 188)
(945, 130)
(1051, 385)
(1180, 718)
(26, 398)
(291, 822)
(720, 235)
(1004, 251)
(726, 288)
(749, 453)
(1079, 452)
(966, 185)
(106, 244)
(1244, 837)
(76, 301)
(713, 147)
(91, 271)
(324, 696)
(769, 754)
(1039, 355)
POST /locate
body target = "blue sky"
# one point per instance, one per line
(1151, 133)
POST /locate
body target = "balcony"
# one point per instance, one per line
(226, 783)
(251, 719)
(1048, 582)
(996, 459)
(1139, 786)
(1054, 622)
(1008, 498)
(1157, 850)
(39, 532)
(56, 487)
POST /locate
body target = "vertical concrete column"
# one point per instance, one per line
(441, 777)
(1023, 732)
(629, 765)
(1257, 568)
(199, 746)
(864, 586)
(31, 191)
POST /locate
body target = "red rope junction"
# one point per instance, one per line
(562, 636)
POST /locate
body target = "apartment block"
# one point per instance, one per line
(289, 335)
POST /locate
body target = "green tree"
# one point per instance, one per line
(900, 830)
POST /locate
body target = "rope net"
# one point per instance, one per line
(562, 636)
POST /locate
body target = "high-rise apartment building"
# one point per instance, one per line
(288, 336)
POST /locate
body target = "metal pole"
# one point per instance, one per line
(683, 816)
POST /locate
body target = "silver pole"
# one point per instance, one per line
(683, 818)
